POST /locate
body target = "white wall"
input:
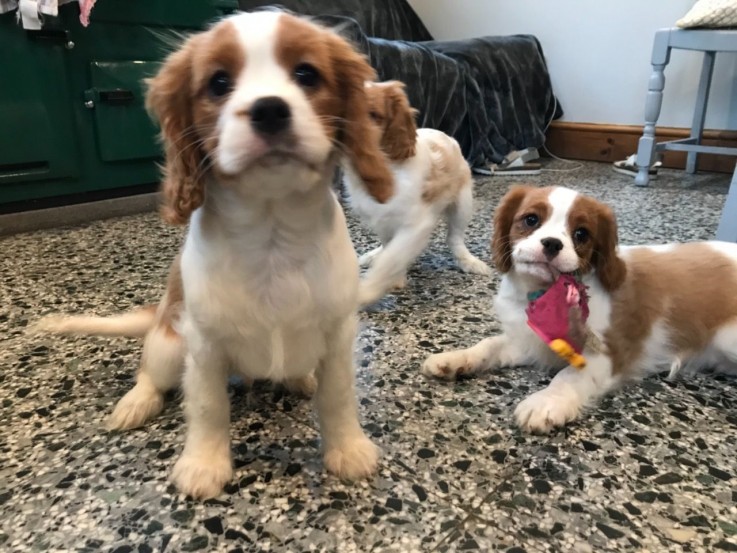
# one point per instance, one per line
(598, 53)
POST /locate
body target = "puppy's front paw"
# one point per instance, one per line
(203, 476)
(400, 283)
(547, 409)
(448, 365)
(474, 266)
(354, 459)
(368, 294)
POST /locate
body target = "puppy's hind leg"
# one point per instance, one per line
(162, 365)
(725, 342)
(304, 386)
(390, 266)
(458, 216)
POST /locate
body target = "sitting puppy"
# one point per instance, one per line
(255, 115)
(432, 179)
(652, 306)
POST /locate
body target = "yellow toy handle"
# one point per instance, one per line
(566, 351)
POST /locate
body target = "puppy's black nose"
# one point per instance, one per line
(270, 115)
(551, 247)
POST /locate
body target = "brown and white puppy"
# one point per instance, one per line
(255, 115)
(432, 180)
(653, 306)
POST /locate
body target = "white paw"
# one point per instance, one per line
(401, 283)
(367, 259)
(202, 477)
(354, 459)
(135, 408)
(474, 265)
(368, 294)
(448, 365)
(548, 409)
(305, 386)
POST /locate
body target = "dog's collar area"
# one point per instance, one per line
(532, 296)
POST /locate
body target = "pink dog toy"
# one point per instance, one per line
(558, 315)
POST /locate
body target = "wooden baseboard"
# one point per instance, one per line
(608, 143)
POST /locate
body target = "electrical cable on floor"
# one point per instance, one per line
(578, 165)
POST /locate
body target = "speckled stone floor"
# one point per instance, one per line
(651, 469)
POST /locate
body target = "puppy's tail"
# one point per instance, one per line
(134, 324)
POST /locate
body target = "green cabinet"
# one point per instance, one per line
(123, 129)
(72, 117)
(37, 137)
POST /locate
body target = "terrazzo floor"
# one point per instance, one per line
(653, 468)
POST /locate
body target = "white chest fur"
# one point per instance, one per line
(510, 303)
(266, 283)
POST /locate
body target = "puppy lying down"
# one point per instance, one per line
(650, 307)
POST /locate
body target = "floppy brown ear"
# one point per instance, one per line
(169, 99)
(400, 134)
(361, 137)
(610, 269)
(501, 248)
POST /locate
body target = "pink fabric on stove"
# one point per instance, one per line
(85, 7)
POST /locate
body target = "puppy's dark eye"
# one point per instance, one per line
(580, 235)
(219, 84)
(375, 116)
(306, 75)
(531, 220)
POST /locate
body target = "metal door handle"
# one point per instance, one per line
(116, 96)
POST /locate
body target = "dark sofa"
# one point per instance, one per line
(492, 94)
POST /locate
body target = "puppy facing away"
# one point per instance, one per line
(432, 180)
(652, 306)
(255, 115)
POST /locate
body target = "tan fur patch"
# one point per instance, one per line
(689, 288)
(509, 225)
(177, 97)
(391, 111)
(172, 304)
(340, 100)
(599, 250)
(302, 43)
(449, 171)
(221, 51)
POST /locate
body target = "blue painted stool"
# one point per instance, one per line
(727, 230)
(709, 41)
